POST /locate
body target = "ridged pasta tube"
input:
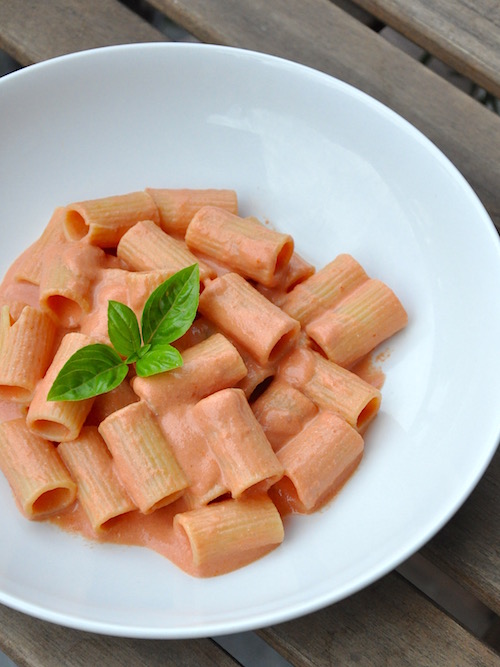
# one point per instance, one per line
(25, 352)
(243, 245)
(100, 490)
(365, 318)
(178, 206)
(143, 457)
(324, 289)
(38, 478)
(247, 317)
(59, 420)
(332, 387)
(102, 222)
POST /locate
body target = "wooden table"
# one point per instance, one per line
(441, 607)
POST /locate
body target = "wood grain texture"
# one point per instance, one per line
(31, 31)
(319, 34)
(464, 34)
(389, 624)
(352, 8)
(30, 642)
(467, 548)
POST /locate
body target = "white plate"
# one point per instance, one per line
(342, 173)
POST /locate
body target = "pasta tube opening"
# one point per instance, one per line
(16, 394)
(52, 501)
(66, 310)
(368, 413)
(282, 345)
(50, 429)
(75, 226)
(284, 256)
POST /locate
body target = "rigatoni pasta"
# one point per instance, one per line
(262, 328)
(143, 457)
(234, 531)
(66, 280)
(104, 221)
(332, 387)
(39, 480)
(243, 452)
(26, 349)
(318, 460)
(235, 242)
(100, 490)
(62, 420)
(324, 289)
(266, 414)
(366, 317)
(177, 207)
(145, 247)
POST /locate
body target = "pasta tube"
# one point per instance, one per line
(257, 376)
(177, 207)
(40, 482)
(145, 246)
(105, 404)
(230, 533)
(297, 270)
(247, 317)
(282, 411)
(59, 420)
(143, 457)
(26, 348)
(28, 268)
(324, 289)
(66, 280)
(102, 222)
(243, 245)
(332, 387)
(318, 460)
(366, 317)
(234, 435)
(209, 366)
(100, 491)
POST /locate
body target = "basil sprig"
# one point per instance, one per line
(167, 315)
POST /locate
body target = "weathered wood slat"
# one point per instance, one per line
(465, 34)
(30, 642)
(352, 8)
(467, 548)
(319, 34)
(31, 31)
(388, 624)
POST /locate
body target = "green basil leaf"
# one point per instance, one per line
(123, 328)
(171, 308)
(157, 360)
(90, 371)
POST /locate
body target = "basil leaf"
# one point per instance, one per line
(90, 371)
(123, 328)
(171, 308)
(157, 360)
